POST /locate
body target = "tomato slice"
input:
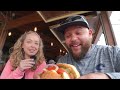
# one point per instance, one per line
(60, 71)
(51, 68)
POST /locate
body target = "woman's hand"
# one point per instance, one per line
(26, 64)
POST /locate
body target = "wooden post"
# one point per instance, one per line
(3, 36)
(107, 28)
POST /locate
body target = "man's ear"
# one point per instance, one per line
(90, 31)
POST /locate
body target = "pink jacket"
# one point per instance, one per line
(7, 72)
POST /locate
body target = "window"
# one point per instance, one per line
(115, 21)
(101, 40)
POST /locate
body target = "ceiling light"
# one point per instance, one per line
(35, 29)
(51, 43)
(60, 50)
(9, 34)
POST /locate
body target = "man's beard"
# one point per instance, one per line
(84, 50)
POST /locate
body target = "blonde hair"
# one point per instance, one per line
(17, 54)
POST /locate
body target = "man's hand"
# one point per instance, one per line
(94, 76)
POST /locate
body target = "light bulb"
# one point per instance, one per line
(35, 29)
(9, 34)
(51, 43)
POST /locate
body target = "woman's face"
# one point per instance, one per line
(31, 45)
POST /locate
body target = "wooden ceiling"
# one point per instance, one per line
(20, 21)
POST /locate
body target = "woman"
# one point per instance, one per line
(20, 65)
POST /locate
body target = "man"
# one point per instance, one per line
(92, 61)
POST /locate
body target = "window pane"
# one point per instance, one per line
(101, 40)
(115, 21)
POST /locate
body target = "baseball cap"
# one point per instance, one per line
(73, 20)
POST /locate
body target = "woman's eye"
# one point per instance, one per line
(28, 41)
(37, 43)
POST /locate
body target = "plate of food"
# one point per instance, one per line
(59, 71)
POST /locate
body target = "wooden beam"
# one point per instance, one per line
(48, 39)
(98, 31)
(58, 38)
(23, 20)
(108, 31)
(3, 38)
(98, 34)
(59, 16)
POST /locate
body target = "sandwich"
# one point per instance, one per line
(59, 71)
